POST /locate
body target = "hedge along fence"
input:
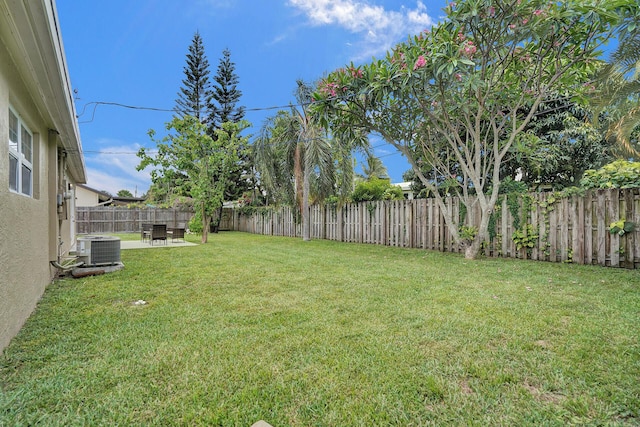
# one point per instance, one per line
(538, 226)
(121, 219)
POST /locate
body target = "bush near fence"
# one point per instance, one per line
(537, 226)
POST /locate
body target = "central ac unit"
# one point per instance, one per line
(98, 250)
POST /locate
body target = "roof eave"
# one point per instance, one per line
(39, 55)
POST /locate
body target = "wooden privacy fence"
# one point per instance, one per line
(539, 226)
(119, 219)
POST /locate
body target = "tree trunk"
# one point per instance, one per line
(298, 176)
(205, 226)
(473, 250)
(306, 225)
(219, 218)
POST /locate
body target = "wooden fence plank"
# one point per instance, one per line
(588, 228)
(504, 231)
(629, 238)
(577, 229)
(601, 236)
(636, 220)
(613, 199)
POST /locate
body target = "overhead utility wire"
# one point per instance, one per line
(165, 110)
(274, 107)
(151, 150)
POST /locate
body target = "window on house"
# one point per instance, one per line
(20, 156)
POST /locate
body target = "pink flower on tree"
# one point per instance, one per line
(421, 62)
(330, 89)
(356, 72)
(469, 49)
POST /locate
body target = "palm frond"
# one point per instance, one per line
(622, 129)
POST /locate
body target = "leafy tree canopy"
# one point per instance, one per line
(618, 174)
(204, 163)
(470, 88)
(376, 189)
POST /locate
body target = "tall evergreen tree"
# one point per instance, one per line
(225, 94)
(194, 97)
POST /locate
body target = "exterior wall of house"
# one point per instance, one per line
(25, 230)
(35, 229)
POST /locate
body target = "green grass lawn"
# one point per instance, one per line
(298, 333)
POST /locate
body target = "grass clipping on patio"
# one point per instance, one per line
(299, 333)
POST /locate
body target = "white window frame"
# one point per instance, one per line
(21, 151)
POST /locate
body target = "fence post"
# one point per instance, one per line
(614, 215)
(629, 254)
(577, 231)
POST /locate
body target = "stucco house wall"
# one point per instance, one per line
(36, 227)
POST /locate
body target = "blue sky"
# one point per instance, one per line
(133, 52)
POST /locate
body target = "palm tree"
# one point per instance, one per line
(292, 148)
(374, 168)
(620, 88)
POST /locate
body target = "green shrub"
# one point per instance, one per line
(376, 189)
(618, 174)
(195, 224)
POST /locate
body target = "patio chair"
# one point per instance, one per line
(158, 232)
(145, 231)
(178, 232)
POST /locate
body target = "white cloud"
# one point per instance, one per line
(113, 168)
(379, 29)
(277, 39)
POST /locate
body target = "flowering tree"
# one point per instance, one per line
(463, 94)
(204, 163)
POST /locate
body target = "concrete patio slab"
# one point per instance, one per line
(137, 244)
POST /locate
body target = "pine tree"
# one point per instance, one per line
(225, 97)
(194, 98)
(225, 94)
